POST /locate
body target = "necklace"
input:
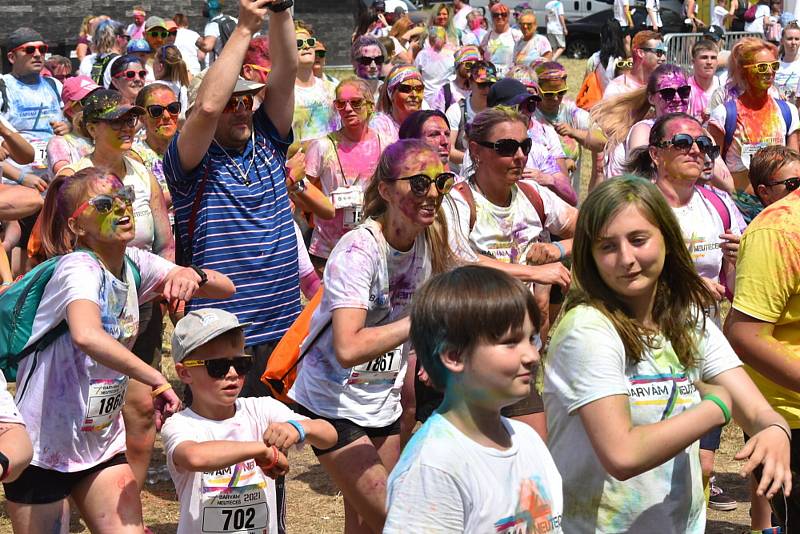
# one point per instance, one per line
(244, 174)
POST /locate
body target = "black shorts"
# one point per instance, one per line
(148, 343)
(348, 431)
(37, 485)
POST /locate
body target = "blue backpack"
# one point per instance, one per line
(18, 307)
(730, 121)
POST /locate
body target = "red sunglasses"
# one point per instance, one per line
(30, 49)
(131, 74)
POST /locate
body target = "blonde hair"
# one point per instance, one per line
(741, 55)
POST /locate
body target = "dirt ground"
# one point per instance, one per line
(314, 505)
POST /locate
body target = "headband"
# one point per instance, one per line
(399, 75)
(467, 53)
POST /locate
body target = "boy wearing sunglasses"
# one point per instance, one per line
(223, 451)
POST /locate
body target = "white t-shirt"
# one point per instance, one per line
(554, 10)
(212, 30)
(362, 272)
(446, 482)
(71, 402)
(787, 77)
(460, 18)
(586, 362)
(438, 69)
(718, 16)
(755, 129)
(507, 232)
(185, 42)
(9, 413)
(239, 498)
(526, 52)
(499, 48)
(654, 5)
(757, 26)
(619, 12)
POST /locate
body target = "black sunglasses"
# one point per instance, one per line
(320, 53)
(790, 183)
(157, 110)
(421, 183)
(219, 367)
(668, 93)
(528, 106)
(367, 60)
(508, 147)
(659, 52)
(684, 143)
(158, 33)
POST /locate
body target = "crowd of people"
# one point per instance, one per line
(423, 226)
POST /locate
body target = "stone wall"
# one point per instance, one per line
(60, 20)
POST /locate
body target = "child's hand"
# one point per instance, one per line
(181, 286)
(282, 435)
(165, 404)
(272, 465)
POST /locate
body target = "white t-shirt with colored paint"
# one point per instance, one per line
(72, 403)
(554, 10)
(239, 498)
(446, 482)
(586, 362)
(499, 48)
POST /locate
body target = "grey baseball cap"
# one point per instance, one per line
(199, 327)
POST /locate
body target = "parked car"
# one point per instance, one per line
(583, 37)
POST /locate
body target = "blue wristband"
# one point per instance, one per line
(561, 250)
(299, 429)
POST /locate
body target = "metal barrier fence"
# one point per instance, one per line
(679, 45)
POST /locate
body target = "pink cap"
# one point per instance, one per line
(76, 88)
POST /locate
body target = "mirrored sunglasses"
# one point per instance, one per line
(421, 183)
(238, 102)
(684, 142)
(105, 203)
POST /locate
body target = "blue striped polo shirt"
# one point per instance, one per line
(243, 231)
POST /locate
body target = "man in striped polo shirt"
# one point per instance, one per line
(226, 173)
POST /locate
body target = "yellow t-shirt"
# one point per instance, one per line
(768, 289)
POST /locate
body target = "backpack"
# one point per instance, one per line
(18, 307)
(99, 68)
(590, 92)
(724, 213)
(750, 13)
(226, 25)
(184, 251)
(527, 189)
(4, 92)
(730, 121)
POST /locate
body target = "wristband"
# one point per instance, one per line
(274, 462)
(300, 430)
(281, 6)
(160, 389)
(785, 431)
(201, 273)
(725, 411)
(562, 252)
(6, 283)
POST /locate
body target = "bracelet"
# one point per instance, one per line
(562, 252)
(160, 389)
(300, 430)
(785, 431)
(6, 283)
(716, 400)
(274, 462)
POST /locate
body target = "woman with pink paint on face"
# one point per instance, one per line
(401, 95)
(356, 352)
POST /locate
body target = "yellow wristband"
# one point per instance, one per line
(160, 389)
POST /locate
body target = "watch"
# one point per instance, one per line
(201, 273)
(4, 462)
(298, 187)
(281, 6)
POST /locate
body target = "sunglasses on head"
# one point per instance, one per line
(105, 203)
(508, 147)
(659, 52)
(765, 66)
(408, 88)
(30, 49)
(421, 183)
(790, 183)
(320, 53)
(684, 142)
(131, 74)
(219, 367)
(309, 42)
(355, 103)
(624, 63)
(369, 60)
(668, 93)
(237, 102)
(554, 94)
(156, 110)
(163, 34)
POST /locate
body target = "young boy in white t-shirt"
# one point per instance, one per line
(223, 451)
(468, 469)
